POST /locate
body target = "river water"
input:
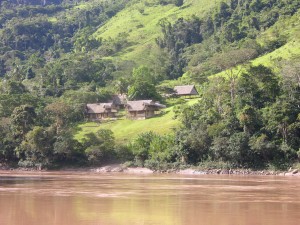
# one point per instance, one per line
(66, 198)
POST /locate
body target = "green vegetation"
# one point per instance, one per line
(125, 130)
(140, 21)
(242, 55)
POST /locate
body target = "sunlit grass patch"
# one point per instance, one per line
(141, 22)
(125, 129)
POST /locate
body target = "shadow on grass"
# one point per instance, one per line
(185, 6)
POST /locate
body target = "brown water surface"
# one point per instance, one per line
(97, 199)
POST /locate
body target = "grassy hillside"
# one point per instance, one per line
(141, 22)
(125, 130)
(290, 28)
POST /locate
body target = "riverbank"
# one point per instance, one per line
(193, 171)
(120, 168)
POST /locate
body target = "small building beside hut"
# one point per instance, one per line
(142, 109)
(185, 90)
(101, 111)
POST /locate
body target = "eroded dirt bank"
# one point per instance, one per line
(119, 168)
(191, 171)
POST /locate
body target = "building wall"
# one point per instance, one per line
(101, 116)
(136, 115)
(150, 113)
(140, 114)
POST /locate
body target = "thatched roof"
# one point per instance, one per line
(186, 90)
(141, 105)
(99, 108)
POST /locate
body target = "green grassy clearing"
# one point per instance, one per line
(125, 130)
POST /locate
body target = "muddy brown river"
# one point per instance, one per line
(66, 198)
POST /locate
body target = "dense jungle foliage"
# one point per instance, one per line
(53, 61)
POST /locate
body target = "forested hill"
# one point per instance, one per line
(243, 56)
(31, 2)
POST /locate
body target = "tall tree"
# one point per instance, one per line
(228, 63)
(22, 120)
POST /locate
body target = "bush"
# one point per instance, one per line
(153, 147)
(209, 164)
(95, 154)
(124, 153)
(100, 147)
(274, 44)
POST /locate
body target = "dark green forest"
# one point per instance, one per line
(52, 64)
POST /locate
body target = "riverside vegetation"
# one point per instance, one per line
(243, 56)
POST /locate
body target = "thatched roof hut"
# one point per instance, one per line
(185, 90)
(100, 111)
(142, 109)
